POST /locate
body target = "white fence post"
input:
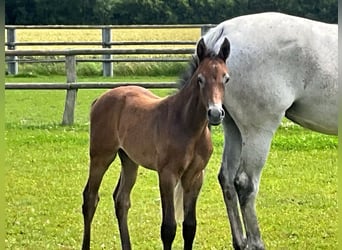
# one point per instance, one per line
(70, 100)
(107, 67)
(12, 64)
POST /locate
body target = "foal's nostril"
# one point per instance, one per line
(222, 113)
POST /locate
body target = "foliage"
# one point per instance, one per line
(157, 11)
(47, 170)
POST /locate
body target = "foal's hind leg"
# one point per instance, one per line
(189, 204)
(98, 166)
(121, 196)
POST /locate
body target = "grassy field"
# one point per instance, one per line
(94, 35)
(47, 167)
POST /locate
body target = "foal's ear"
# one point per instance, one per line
(201, 49)
(225, 49)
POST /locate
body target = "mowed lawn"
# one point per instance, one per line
(47, 167)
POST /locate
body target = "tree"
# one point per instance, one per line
(157, 11)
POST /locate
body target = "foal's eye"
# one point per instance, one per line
(200, 80)
(226, 79)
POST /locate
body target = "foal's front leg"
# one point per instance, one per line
(189, 203)
(167, 183)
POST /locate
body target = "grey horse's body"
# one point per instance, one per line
(280, 65)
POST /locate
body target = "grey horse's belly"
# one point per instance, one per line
(320, 116)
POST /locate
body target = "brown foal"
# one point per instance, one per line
(169, 135)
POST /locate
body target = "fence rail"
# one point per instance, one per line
(97, 52)
(133, 26)
(183, 55)
(118, 43)
(89, 85)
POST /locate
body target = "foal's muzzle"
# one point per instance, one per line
(215, 114)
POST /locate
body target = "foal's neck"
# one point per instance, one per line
(191, 110)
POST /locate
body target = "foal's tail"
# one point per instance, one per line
(178, 202)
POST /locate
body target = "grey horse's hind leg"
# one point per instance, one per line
(229, 167)
(243, 159)
(255, 149)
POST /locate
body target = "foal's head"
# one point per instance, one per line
(212, 77)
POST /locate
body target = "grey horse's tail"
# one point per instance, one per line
(213, 37)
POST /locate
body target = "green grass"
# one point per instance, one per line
(94, 68)
(47, 167)
(62, 78)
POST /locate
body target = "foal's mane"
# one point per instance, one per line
(192, 67)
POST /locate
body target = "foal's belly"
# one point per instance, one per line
(156, 158)
(142, 156)
(155, 152)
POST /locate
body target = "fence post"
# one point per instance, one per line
(107, 67)
(70, 100)
(12, 64)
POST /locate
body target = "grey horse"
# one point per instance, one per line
(280, 65)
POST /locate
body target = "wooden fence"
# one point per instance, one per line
(70, 59)
(107, 66)
(72, 85)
